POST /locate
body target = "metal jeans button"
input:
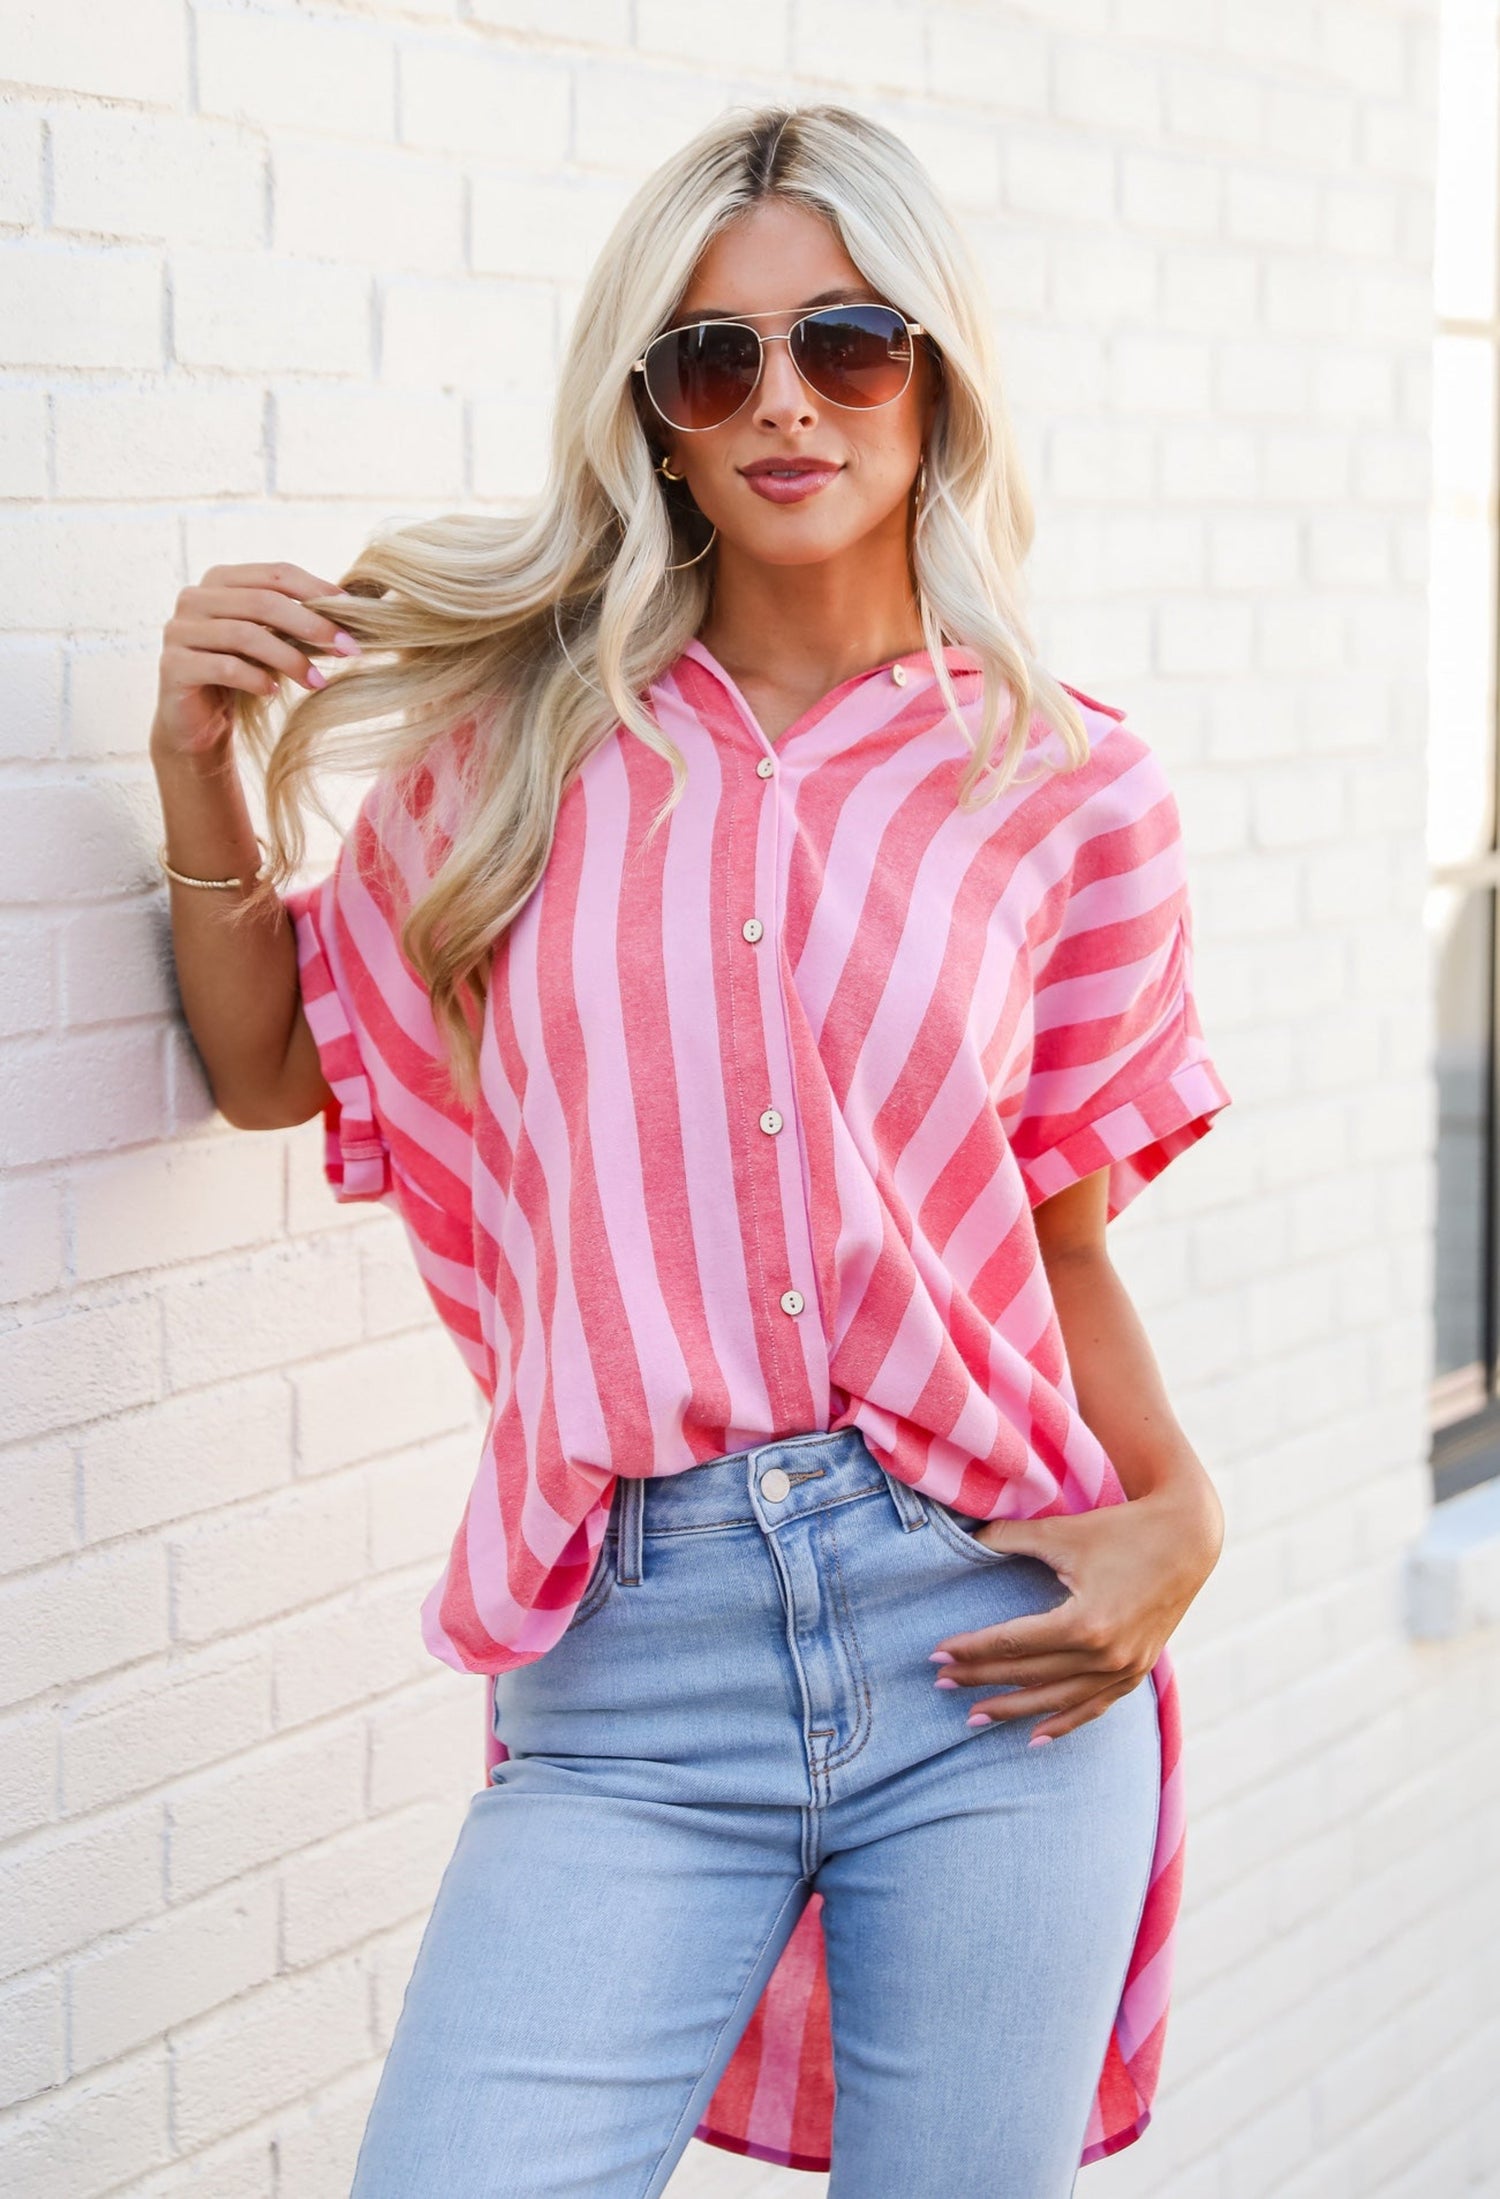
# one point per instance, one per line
(775, 1483)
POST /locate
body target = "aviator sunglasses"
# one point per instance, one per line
(856, 356)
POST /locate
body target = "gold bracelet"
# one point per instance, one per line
(219, 885)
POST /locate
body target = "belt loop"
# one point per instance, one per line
(630, 1556)
(910, 1509)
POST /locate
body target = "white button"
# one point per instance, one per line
(775, 1483)
(752, 928)
(770, 1122)
(898, 674)
(791, 1301)
(766, 766)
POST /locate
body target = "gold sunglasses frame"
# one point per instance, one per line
(744, 320)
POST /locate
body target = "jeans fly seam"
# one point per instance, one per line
(844, 1620)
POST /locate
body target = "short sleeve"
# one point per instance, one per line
(391, 1125)
(1119, 1075)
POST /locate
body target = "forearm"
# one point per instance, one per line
(1121, 1395)
(237, 975)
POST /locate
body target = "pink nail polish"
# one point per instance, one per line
(944, 1681)
(978, 1718)
(315, 678)
(1037, 1739)
(347, 646)
(942, 1657)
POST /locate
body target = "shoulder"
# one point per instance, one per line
(1121, 785)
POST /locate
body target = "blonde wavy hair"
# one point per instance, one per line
(539, 633)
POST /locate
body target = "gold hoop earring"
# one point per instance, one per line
(687, 561)
(665, 469)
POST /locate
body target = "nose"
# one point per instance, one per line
(782, 394)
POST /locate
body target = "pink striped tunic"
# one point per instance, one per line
(767, 1102)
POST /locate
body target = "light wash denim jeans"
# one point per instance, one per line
(742, 1711)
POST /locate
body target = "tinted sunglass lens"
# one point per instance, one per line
(855, 355)
(699, 377)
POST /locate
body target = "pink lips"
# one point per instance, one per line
(792, 485)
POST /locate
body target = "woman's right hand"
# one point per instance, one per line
(242, 626)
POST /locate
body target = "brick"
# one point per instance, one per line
(989, 57)
(112, 694)
(333, 442)
(238, 1568)
(69, 837)
(716, 38)
(118, 172)
(285, 1303)
(381, 1398)
(31, 2038)
(74, 46)
(267, 1804)
(317, 2141)
(251, 314)
(67, 1886)
(323, 73)
(23, 442)
(116, 964)
(31, 1239)
(174, 440)
(963, 157)
(428, 1740)
(70, 307)
(1159, 191)
(20, 165)
(57, 1372)
(1101, 86)
(63, 565)
(28, 1775)
(243, 2167)
(93, 2135)
(171, 1204)
(460, 97)
(392, 210)
(540, 227)
(138, 1729)
(30, 698)
(583, 22)
(467, 335)
(1215, 106)
(417, 1499)
(882, 43)
(68, 1621)
(37, 1522)
(28, 978)
(276, 2045)
(348, 1649)
(364, 1880)
(509, 444)
(186, 1456)
(176, 1967)
(611, 99)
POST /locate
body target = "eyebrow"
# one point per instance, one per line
(841, 295)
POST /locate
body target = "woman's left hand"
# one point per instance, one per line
(1132, 1570)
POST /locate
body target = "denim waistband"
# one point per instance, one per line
(816, 1469)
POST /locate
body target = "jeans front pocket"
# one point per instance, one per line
(952, 1530)
(601, 1583)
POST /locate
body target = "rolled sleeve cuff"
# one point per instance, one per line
(356, 1156)
(1135, 1140)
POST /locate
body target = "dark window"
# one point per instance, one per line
(1464, 894)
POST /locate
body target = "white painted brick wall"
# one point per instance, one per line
(272, 272)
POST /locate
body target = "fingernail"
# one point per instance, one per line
(1037, 1739)
(945, 1682)
(315, 678)
(942, 1657)
(978, 1718)
(347, 646)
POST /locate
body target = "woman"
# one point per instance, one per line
(755, 981)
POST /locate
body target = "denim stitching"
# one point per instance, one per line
(864, 1720)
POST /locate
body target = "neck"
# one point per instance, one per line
(813, 625)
